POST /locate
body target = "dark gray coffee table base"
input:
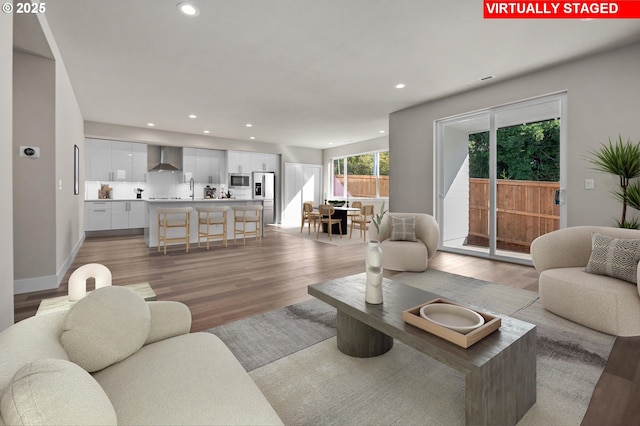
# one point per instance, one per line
(357, 339)
(500, 370)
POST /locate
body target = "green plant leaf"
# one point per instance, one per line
(623, 160)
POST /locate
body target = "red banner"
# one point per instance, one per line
(626, 9)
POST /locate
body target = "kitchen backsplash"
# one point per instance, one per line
(158, 185)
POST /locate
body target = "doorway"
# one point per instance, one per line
(499, 178)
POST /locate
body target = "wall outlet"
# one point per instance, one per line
(30, 151)
(589, 184)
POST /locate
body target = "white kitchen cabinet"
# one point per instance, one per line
(119, 215)
(273, 163)
(139, 163)
(127, 214)
(98, 160)
(115, 161)
(97, 215)
(108, 215)
(258, 162)
(137, 214)
(209, 163)
(189, 163)
(203, 165)
(264, 162)
(239, 162)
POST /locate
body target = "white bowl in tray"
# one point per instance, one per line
(454, 317)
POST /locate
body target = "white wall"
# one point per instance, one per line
(603, 101)
(69, 207)
(6, 169)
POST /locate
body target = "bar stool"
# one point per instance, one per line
(210, 217)
(173, 217)
(247, 215)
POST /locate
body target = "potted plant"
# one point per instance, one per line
(623, 160)
(377, 219)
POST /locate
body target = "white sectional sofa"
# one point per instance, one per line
(406, 255)
(600, 302)
(115, 359)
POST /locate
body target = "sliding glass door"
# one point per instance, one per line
(499, 178)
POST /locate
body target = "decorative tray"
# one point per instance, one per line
(491, 324)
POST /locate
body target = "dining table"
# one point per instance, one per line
(340, 213)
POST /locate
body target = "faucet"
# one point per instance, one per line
(192, 187)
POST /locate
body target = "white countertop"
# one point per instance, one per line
(203, 200)
(180, 200)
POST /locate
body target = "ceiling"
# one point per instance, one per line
(311, 73)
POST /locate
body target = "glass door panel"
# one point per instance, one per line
(464, 199)
(528, 174)
(498, 177)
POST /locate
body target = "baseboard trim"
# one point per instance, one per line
(49, 282)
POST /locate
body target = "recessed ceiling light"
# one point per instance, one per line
(400, 86)
(330, 143)
(193, 116)
(151, 124)
(188, 9)
(248, 125)
(381, 131)
(206, 131)
(252, 137)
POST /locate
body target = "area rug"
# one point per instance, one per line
(322, 238)
(292, 356)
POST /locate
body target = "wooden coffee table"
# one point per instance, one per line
(500, 370)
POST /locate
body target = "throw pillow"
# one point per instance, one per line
(105, 327)
(55, 392)
(403, 228)
(614, 257)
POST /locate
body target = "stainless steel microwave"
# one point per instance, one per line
(237, 180)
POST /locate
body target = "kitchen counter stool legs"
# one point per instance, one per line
(209, 218)
(171, 218)
(250, 220)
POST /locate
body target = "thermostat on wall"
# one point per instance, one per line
(30, 151)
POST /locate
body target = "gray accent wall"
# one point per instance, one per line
(603, 92)
(6, 169)
(47, 216)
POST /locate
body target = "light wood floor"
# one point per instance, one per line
(226, 284)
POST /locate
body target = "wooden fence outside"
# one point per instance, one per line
(365, 186)
(525, 210)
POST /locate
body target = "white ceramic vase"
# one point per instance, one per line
(373, 262)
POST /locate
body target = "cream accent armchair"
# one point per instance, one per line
(408, 255)
(599, 302)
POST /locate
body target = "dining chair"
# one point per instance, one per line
(362, 220)
(310, 216)
(354, 214)
(326, 212)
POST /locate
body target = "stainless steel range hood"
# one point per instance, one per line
(164, 158)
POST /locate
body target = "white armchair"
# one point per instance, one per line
(402, 255)
(606, 304)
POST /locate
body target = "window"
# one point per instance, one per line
(361, 176)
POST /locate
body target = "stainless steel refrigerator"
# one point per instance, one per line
(264, 188)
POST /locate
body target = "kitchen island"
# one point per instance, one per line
(151, 220)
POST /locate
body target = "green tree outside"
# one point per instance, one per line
(525, 152)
